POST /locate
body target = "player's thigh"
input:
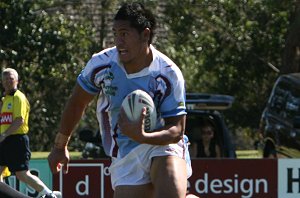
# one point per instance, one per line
(136, 191)
(169, 176)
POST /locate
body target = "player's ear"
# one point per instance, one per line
(146, 35)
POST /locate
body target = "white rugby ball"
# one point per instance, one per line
(133, 104)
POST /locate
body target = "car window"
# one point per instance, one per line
(194, 131)
(277, 125)
(285, 100)
(204, 106)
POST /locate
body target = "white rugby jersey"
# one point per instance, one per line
(105, 75)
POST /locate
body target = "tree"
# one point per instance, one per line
(48, 51)
(291, 56)
(229, 47)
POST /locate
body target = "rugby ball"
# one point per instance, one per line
(133, 104)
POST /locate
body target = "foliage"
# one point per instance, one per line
(222, 46)
(229, 47)
(48, 51)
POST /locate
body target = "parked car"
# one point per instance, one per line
(199, 107)
(93, 148)
(279, 124)
(203, 107)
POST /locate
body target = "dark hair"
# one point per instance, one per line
(208, 123)
(138, 16)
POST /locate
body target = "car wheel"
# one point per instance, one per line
(269, 149)
(85, 155)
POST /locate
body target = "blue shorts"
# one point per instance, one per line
(15, 152)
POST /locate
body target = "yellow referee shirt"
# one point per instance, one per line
(14, 106)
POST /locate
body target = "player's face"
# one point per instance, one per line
(9, 81)
(132, 45)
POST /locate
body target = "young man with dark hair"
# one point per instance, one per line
(144, 164)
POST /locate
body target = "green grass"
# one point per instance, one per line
(241, 154)
(248, 154)
(44, 155)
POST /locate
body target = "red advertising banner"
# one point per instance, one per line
(213, 178)
(85, 179)
(234, 178)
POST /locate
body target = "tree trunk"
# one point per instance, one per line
(291, 56)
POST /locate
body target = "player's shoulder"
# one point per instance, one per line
(104, 57)
(161, 57)
(108, 52)
(164, 63)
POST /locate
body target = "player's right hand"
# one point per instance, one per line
(58, 159)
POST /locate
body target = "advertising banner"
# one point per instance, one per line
(85, 179)
(39, 168)
(289, 178)
(234, 178)
(213, 178)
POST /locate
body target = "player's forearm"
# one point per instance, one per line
(171, 133)
(164, 136)
(71, 115)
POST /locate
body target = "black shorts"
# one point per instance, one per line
(15, 153)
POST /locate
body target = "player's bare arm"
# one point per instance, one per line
(172, 132)
(70, 117)
(74, 110)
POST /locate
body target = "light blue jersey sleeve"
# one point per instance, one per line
(91, 76)
(85, 79)
(174, 102)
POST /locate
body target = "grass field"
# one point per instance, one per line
(241, 154)
(44, 155)
(248, 154)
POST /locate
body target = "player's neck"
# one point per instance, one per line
(140, 62)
